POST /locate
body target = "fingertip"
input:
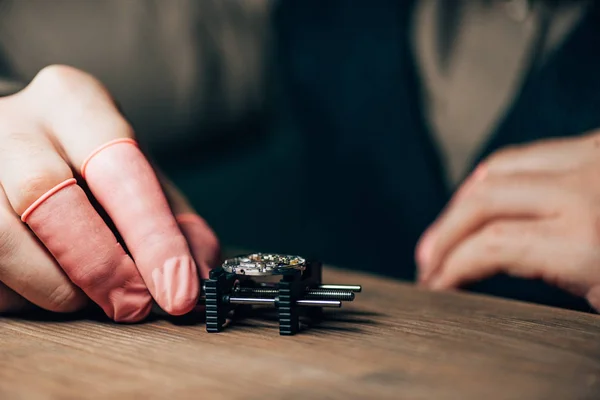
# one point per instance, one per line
(132, 314)
(443, 278)
(182, 306)
(178, 309)
(131, 304)
(176, 285)
(437, 283)
(150, 232)
(424, 254)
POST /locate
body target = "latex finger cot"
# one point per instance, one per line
(124, 183)
(69, 227)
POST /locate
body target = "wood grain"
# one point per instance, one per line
(393, 342)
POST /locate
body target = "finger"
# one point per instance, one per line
(28, 269)
(98, 141)
(202, 240)
(529, 249)
(486, 199)
(40, 188)
(126, 187)
(516, 247)
(550, 155)
(10, 301)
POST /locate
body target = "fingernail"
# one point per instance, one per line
(176, 285)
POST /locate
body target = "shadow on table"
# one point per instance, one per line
(40, 315)
(349, 321)
(97, 315)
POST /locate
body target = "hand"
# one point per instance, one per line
(68, 158)
(532, 212)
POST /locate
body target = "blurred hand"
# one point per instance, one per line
(68, 158)
(531, 212)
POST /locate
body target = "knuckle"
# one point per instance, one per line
(65, 298)
(500, 156)
(65, 82)
(482, 195)
(34, 185)
(477, 207)
(93, 275)
(493, 239)
(479, 191)
(59, 76)
(19, 149)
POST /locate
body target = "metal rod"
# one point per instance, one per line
(262, 301)
(250, 300)
(320, 303)
(316, 294)
(352, 288)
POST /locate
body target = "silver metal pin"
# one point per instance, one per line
(352, 288)
(262, 301)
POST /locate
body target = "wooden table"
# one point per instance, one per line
(392, 342)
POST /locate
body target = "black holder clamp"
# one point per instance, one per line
(299, 291)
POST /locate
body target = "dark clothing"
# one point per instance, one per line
(358, 177)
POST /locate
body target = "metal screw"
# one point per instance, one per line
(309, 294)
(263, 301)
